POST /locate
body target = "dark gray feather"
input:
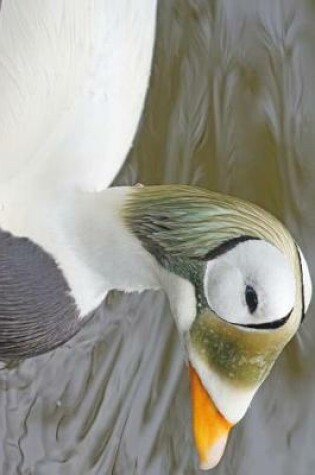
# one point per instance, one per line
(37, 312)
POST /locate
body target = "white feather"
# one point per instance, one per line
(73, 78)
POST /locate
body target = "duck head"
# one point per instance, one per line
(238, 287)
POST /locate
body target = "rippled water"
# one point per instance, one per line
(231, 107)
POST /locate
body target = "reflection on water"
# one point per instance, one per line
(231, 107)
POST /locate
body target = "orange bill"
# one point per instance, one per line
(210, 428)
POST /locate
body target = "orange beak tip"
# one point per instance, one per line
(214, 455)
(210, 428)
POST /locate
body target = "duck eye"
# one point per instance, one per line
(251, 298)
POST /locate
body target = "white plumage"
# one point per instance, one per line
(73, 78)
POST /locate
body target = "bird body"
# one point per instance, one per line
(68, 118)
(73, 79)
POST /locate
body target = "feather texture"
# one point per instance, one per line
(67, 112)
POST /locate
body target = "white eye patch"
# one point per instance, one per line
(251, 284)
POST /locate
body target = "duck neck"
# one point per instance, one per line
(120, 259)
(108, 247)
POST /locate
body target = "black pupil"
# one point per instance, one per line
(251, 298)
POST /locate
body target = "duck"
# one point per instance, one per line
(73, 80)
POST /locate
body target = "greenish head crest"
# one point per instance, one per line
(192, 222)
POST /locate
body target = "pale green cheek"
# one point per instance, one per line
(228, 356)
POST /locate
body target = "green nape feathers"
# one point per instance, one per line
(191, 222)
